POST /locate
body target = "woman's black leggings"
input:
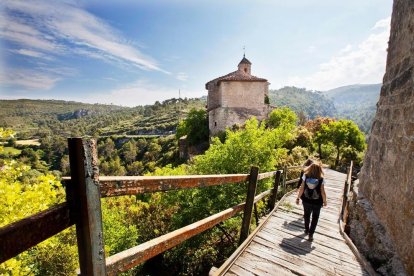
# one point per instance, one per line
(314, 210)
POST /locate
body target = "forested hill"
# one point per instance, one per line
(356, 102)
(38, 118)
(312, 104)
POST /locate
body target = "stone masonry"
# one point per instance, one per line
(387, 176)
(235, 97)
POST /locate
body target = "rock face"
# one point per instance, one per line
(387, 177)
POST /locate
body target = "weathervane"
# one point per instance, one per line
(244, 51)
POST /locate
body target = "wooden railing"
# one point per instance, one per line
(84, 190)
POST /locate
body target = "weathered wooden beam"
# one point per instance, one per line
(285, 168)
(266, 175)
(262, 195)
(136, 255)
(84, 199)
(23, 234)
(273, 197)
(248, 208)
(132, 185)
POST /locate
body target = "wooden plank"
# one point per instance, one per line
(311, 253)
(23, 234)
(302, 247)
(272, 200)
(296, 267)
(262, 195)
(132, 257)
(266, 175)
(84, 199)
(248, 207)
(240, 271)
(132, 185)
(236, 254)
(322, 264)
(261, 266)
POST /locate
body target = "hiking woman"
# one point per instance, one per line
(306, 164)
(312, 193)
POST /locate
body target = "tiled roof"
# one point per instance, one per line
(245, 60)
(235, 76)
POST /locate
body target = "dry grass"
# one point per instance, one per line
(32, 142)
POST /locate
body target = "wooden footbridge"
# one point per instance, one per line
(276, 247)
(279, 245)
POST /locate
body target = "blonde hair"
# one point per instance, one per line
(314, 171)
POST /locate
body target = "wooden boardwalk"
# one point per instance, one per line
(280, 247)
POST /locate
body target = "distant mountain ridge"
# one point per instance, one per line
(312, 104)
(34, 117)
(355, 102)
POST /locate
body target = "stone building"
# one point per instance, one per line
(382, 218)
(235, 97)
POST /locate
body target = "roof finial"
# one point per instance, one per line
(244, 51)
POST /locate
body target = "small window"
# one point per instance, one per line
(245, 70)
(215, 124)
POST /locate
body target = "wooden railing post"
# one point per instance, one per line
(284, 179)
(273, 197)
(347, 187)
(248, 208)
(83, 196)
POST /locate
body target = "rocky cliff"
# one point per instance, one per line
(387, 177)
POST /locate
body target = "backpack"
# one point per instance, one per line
(312, 194)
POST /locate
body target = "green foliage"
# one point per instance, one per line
(195, 126)
(39, 118)
(312, 104)
(255, 145)
(342, 134)
(120, 232)
(281, 117)
(24, 192)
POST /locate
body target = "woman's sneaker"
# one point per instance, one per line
(310, 238)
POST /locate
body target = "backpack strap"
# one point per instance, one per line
(320, 181)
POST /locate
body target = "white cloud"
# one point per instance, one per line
(30, 53)
(46, 24)
(362, 64)
(29, 79)
(182, 76)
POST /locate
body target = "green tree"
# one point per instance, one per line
(195, 126)
(314, 126)
(342, 134)
(282, 116)
(129, 152)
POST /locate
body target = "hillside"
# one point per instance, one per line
(312, 104)
(39, 118)
(356, 102)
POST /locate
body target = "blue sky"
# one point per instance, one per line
(136, 52)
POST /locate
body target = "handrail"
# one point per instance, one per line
(83, 195)
(342, 221)
(23, 234)
(132, 185)
(134, 256)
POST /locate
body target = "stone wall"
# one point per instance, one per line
(223, 117)
(387, 177)
(243, 94)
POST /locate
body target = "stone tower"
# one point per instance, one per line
(235, 97)
(387, 175)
